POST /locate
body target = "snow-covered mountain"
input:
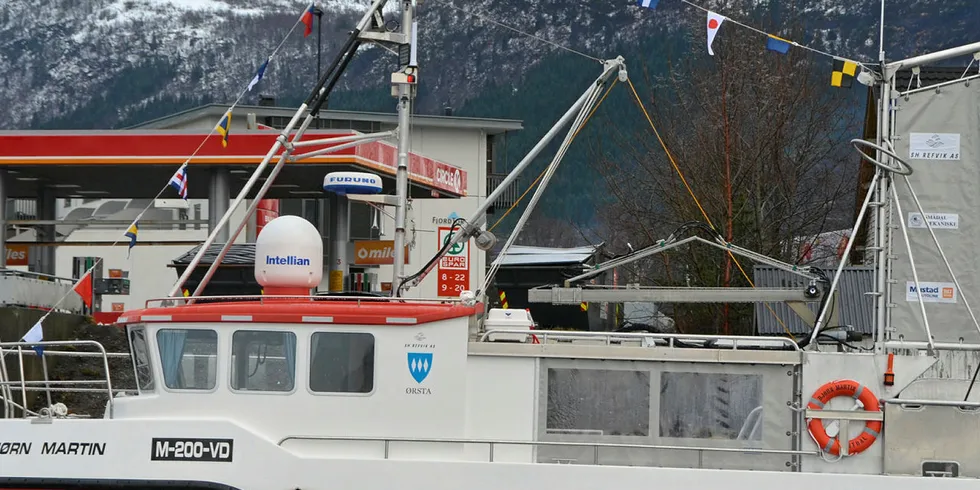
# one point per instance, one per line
(126, 59)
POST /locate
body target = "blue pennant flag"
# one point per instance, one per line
(258, 76)
(35, 334)
(650, 4)
(777, 44)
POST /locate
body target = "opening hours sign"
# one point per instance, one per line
(454, 267)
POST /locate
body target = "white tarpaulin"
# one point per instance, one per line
(938, 134)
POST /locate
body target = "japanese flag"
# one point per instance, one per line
(714, 23)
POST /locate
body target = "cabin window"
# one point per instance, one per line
(141, 359)
(598, 402)
(342, 362)
(188, 358)
(711, 406)
(263, 360)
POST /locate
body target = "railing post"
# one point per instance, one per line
(23, 384)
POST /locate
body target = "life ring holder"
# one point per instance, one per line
(834, 389)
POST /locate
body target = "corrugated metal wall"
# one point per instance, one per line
(857, 307)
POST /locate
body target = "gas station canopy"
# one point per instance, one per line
(139, 163)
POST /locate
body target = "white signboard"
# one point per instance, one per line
(940, 221)
(458, 257)
(934, 146)
(932, 292)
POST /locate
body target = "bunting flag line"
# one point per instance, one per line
(777, 44)
(843, 74)
(714, 23)
(650, 4)
(131, 233)
(35, 334)
(224, 127)
(307, 20)
(84, 288)
(179, 181)
(258, 75)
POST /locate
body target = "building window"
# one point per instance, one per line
(711, 406)
(189, 358)
(141, 359)
(263, 360)
(342, 362)
(598, 402)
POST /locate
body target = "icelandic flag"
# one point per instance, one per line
(714, 23)
(131, 233)
(777, 44)
(179, 181)
(650, 4)
(258, 76)
(35, 334)
(307, 19)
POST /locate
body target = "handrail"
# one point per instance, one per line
(35, 275)
(933, 403)
(492, 443)
(26, 347)
(670, 338)
(68, 353)
(183, 301)
(920, 345)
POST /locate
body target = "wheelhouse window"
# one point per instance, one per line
(711, 406)
(342, 362)
(263, 360)
(598, 402)
(188, 358)
(141, 359)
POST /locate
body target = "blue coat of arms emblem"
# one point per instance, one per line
(419, 364)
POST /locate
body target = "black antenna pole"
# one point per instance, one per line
(318, 12)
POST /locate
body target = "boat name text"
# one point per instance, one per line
(61, 448)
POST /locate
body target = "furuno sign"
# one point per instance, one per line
(170, 449)
(287, 260)
(375, 252)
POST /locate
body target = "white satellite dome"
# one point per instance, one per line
(288, 256)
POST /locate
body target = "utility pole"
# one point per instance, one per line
(403, 88)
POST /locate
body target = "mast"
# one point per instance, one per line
(403, 87)
(882, 243)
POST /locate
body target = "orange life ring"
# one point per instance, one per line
(853, 389)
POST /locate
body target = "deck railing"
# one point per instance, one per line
(9, 385)
(596, 447)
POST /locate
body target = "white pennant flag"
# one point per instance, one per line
(714, 23)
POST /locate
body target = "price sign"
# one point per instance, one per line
(454, 267)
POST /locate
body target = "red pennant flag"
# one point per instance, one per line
(307, 19)
(84, 288)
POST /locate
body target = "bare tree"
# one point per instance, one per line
(761, 140)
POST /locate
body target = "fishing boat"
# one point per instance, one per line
(295, 390)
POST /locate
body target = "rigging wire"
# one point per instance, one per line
(519, 199)
(764, 33)
(167, 185)
(670, 157)
(523, 33)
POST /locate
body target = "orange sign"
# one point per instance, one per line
(375, 252)
(947, 293)
(119, 307)
(18, 254)
(115, 273)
